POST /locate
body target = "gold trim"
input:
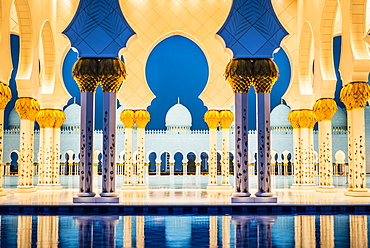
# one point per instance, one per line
(142, 117)
(302, 118)
(50, 118)
(27, 108)
(226, 118)
(355, 95)
(5, 95)
(127, 117)
(324, 109)
(212, 118)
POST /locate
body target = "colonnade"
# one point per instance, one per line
(5, 97)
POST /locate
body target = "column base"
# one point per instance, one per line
(357, 193)
(226, 186)
(303, 187)
(272, 199)
(240, 194)
(95, 199)
(48, 187)
(25, 189)
(127, 187)
(213, 187)
(141, 187)
(264, 194)
(107, 194)
(86, 194)
(326, 189)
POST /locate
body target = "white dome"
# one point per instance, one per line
(14, 120)
(279, 117)
(73, 116)
(178, 116)
(118, 121)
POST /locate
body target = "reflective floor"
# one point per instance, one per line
(185, 231)
(182, 190)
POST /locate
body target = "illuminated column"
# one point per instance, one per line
(172, 168)
(358, 231)
(50, 121)
(324, 109)
(226, 118)
(185, 168)
(304, 231)
(263, 86)
(127, 231)
(158, 169)
(47, 225)
(85, 72)
(5, 97)
(355, 95)
(112, 72)
(24, 231)
(226, 231)
(142, 117)
(212, 118)
(27, 109)
(140, 235)
(239, 74)
(213, 232)
(303, 121)
(128, 119)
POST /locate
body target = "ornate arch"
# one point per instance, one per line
(305, 61)
(47, 59)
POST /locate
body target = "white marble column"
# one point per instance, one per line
(142, 117)
(212, 118)
(226, 119)
(27, 109)
(127, 117)
(5, 97)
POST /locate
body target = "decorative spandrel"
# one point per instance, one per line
(98, 29)
(252, 29)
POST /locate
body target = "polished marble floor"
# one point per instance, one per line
(179, 190)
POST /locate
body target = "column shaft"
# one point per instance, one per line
(128, 157)
(264, 151)
(241, 145)
(306, 157)
(297, 157)
(87, 144)
(2, 166)
(350, 149)
(359, 152)
(56, 160)
(109, 145)
(225, 157)
(46, 157)
(325, 148)
(25, 168)
(212, 165)
(140, 156)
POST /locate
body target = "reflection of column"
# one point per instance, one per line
(5, 96)
(213, 233)
(85, 73)
(142, 117)
(304, 231)
(85, 230)
(112, 72)
(47, 231)
(327, 231)
(263, 86)
(226, 231)
(303, 122)
(27, 109)
(358, 231)
(128, 119)
(355, 95)
(127, 231)
(212, 118)
(264, 230)
(50, 121)
(324, 109)
(242, 226)
(24, 231)
(108, 228)
(140, 235)
(226, 118)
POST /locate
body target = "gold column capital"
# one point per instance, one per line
(5, 95)
(112, 72)
(226, 118)
(27, 108)
(355, 95)
(50, 118)
(238, 73)
(212, 118)
(142, 117)
(127, 117)
(85, 72)
(302, 118)
(324, 109)
(263, 84)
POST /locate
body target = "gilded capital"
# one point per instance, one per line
(5, 95)
(85, 72)
(324, 109)
(226, 118)
(127, 117)
(355, 95)
(27, 108)
(263, 84)
(112, 72)
(238, 73)
(142, 117)
(302, 118)
(212, 118)
(50, 118)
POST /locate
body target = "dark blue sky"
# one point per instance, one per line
(176, 68)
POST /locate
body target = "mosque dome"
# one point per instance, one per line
(73, 116)
(118, 120)
(339, 119)
(279, 117)
(178, 118)
(14, 120)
